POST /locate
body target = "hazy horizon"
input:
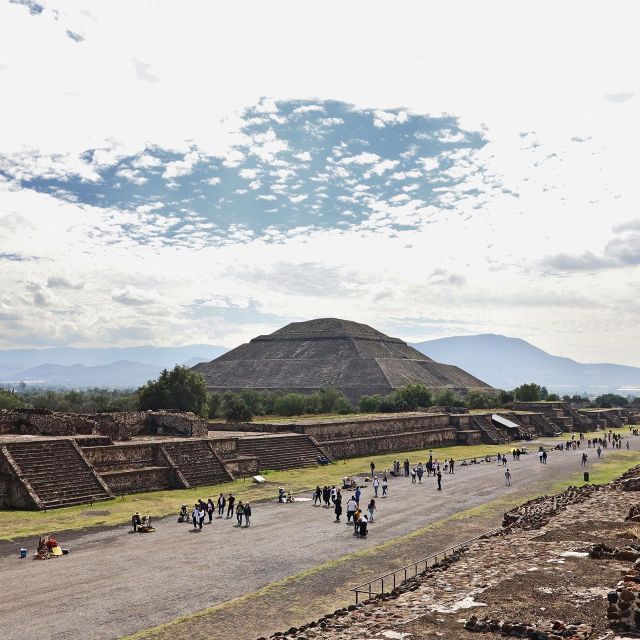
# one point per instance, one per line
(440, 170)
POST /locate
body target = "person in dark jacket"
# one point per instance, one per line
(338, 507)
(230, 502)
(247, 514)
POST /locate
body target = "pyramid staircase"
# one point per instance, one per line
(197, 462)
(56, 473)
(490, 433)
(281, 452)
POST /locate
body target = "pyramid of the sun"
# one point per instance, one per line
(329, 352)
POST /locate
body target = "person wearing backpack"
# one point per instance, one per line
(247, 514)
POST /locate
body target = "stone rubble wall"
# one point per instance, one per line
(183, 424)
(46, 423)
(475, 576)
(356, 447)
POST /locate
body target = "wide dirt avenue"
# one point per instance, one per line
(115, 583)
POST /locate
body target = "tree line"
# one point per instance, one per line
(184, 390)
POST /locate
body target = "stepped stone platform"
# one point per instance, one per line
(44, 472)
(51, 474)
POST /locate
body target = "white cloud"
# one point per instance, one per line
(361, 158)
(132, 296)
(183, 167)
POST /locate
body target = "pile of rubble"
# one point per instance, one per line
(558, 630)
(536, 513)
(535, 579)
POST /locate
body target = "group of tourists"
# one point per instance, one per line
(201, 510)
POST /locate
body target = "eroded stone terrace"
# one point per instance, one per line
(534, 579)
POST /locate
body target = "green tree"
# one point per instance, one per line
(504, 398)
(290, 404)
(528, 392)
(607, 400)
(235, 409)
(553, 397)
(477, 400)
(343, 406)
(214, 400)
(447, 398)
(415, 396)
(10, 400)
(180, 389)
(370, 404)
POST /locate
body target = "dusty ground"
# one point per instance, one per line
(115, 583)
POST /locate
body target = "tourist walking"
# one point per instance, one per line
(317, 496)
(221, 503)
(338, 507)
(385, 486)
(352, 506)
(420, 472)
(230, 502)
(326, 496)
(247, 514)
(439, 480)
(599, 451)
(357, 495)
(239, 513)
(373, 468)
(413, 475)
(584, 460)
(210, 509)
(376, 485)
(406, 467)
(507, 478)
(371, 508)
(544, 457)
(451, 463)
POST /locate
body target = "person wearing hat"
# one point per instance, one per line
(136, 521)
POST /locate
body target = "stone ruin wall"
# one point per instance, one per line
(117, 425)
(45, 422)
(12, 493)
(121, 425)
(184, 424)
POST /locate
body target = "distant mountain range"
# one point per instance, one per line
(120, 368)
(503, 362)
(506, 363)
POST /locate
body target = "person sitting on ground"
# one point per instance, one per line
(290, 497)
(43, 549)
(183, 516)
(281, 494)
(135, 521)
(323, 460)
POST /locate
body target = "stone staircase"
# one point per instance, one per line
(57, 473)
(524, 429)
(490, 433)
(581, 422)
(545, 427)
(197, 462)
(281, 452)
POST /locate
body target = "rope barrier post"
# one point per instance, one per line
(369, 590)
(382, 585)
(394, 581)
(357, 592)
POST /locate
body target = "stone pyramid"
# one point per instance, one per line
(329, 352)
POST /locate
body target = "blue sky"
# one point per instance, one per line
(254, 172)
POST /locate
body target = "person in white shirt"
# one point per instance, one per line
(352, 505)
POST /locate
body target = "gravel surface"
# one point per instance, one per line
(114, 583)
